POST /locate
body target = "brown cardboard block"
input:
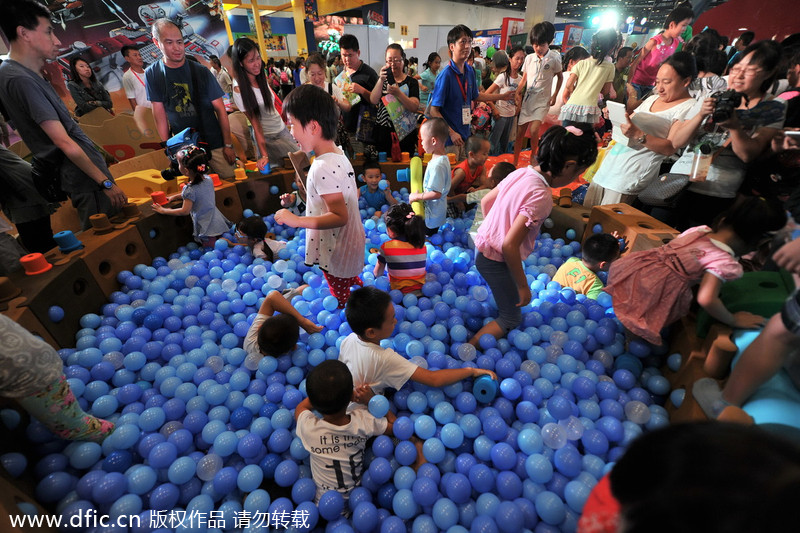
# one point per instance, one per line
(228, 201)
(640, 230)
(163, 234)
(153, 160)
(254, 193)
(121, 135)
(25, 318)
(10, 496)
(107, 255)
(566, 218)
(69, 285)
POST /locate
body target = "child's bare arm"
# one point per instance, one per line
(185, 209)
(389, 198)
(305, 405)
(390, 419)
(458, 177)
(708, 298)
(447, 376)
(335, 217)
(276, 302)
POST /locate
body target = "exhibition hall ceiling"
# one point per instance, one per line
(586, 10)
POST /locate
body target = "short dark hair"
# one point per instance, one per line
(73, 72)
(678, 14)
(438, 128)
(624, 51)
(349, 42)
(254, 227)
(457, 32)
(127, 48)
(576, 53)
(25, 13)
(371, 163)
(308, 102)
(366, 308)
(600, 247)
(475, 142)
(747, 37)
(329, 386)
(542, 33)
(501, 170)
(278, 334)
(214, 60)
(724, 477)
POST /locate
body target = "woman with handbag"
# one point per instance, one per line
(628, 170)
(734, 129)
(397, 96)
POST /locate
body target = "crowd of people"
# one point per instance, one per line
(721, 131)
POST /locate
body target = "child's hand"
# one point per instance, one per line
(552, 100)
(158, 208)
(788, 256)
(478, 372)
(623, 241)
(285, 217)
(415, 197)
(524, 296)
(263, 162)
(363, 394)
(309, 326)
(745, 320)
(287, 199)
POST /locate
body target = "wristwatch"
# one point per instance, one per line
(228, 146)
(107, 184)
(642, 139)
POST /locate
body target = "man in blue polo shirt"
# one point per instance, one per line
(455, 90)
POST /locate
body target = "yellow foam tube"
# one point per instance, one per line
(416, 184)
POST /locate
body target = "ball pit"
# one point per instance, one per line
(204, 426)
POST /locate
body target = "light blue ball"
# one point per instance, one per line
(378, 406)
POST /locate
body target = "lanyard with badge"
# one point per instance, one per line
(466, 112)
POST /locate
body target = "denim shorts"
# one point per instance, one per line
(790, 313)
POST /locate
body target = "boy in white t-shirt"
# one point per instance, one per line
(336, 441)
(371, 315)
(133, 79)
(272, 334)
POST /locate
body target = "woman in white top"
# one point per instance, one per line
(317, 74)
(253, 96)
(628, 170)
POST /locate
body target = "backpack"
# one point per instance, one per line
(284, 78)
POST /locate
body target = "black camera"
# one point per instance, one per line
(175, 144)
(727, 102)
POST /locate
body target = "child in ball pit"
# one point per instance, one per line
(371, 192)
(335, 233)
(371, 315)
(275, 334)
(337, 439)
(31, 372)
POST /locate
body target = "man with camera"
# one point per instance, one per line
(186, 95)
(65, 161)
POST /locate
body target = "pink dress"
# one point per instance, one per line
(653, 288)
(648, 68)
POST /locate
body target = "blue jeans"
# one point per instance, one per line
(501, 131)
(641, 90)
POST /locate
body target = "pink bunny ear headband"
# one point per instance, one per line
(574, 130)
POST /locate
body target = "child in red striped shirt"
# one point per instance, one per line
(404, 256)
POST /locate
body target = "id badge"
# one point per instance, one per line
(466, 116)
